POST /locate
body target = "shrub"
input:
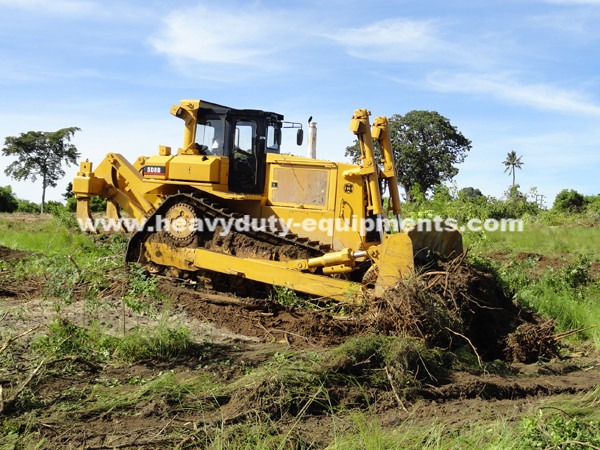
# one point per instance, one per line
(469, 193)
(54, 208)
(592, 202)
(28, 207)
(8, 201)
(559, 431)
(569, 200)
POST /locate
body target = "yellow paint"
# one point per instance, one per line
(206, 169)
(269, 272)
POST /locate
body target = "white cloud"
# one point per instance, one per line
(402, 40)
(227, 36)
(579, 22)
(502, 86)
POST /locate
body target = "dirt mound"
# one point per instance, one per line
(456, 304)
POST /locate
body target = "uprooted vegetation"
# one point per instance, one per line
(457, 304)
(96, 355)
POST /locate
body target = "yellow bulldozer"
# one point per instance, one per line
(228, 202)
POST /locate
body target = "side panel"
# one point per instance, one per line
(299, 186)
(199, 168)
(316, 200)
(302, 194)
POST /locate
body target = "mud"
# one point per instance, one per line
(9, 254)
(244, 246)
(264, 319)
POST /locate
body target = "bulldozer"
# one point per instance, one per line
(229, 203)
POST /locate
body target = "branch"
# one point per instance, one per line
(9, 403)
(470, 343)
(391, 381)
(13, 339)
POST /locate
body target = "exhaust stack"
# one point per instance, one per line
(311, 151)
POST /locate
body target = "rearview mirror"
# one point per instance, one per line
(299, 136)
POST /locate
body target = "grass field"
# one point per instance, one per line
(100, 356)
(548, 241)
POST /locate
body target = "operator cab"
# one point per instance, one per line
(243, 136)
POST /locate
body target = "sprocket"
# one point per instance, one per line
(183, 219)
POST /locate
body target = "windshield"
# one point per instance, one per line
(210, 136)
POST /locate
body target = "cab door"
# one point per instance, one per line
(247, 157)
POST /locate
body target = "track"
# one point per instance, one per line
(262, 243)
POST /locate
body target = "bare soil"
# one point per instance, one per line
(544, 262)
(246, 332)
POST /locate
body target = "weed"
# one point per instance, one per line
(408, 361)
(66, 339)
(168, 388)
(559, 430)
(143, 293)
(288, 297)
(138, 381)
(166, 341)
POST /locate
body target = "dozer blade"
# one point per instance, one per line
(447, 243)
(395, 261)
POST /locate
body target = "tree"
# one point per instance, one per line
(512, 162)
(41, 154)
(68, 192)
(8, 201)
(569, 200)
(426, 148)
(470, 193)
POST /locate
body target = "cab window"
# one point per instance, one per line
(272, 139)
(245, 133)
(210, 136)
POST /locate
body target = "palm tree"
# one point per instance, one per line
(512, 162)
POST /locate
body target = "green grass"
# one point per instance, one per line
(165, 341)
(548, 241)
(50, 237)
(567, 294)
(180, 392)
(366, 432)
(564, 418)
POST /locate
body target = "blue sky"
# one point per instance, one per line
(510, 75)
